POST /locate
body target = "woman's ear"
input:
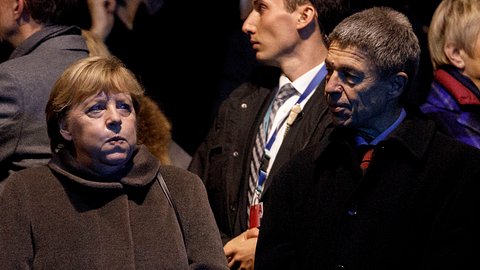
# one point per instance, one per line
(62, 124)
(454, 55)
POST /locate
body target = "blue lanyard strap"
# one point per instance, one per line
(311, 86)
(262, 175)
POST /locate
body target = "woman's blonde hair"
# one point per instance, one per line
(457, 22)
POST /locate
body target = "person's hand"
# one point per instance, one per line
(102, 14)
(240, 251)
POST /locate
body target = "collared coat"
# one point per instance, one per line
(61, 217)
(454, 104)
(417, 206)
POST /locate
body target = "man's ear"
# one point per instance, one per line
(398, 82)
(453, 54)
(306, 13)
(62, 124)
(18, 8)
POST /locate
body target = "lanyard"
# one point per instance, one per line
(262, 174)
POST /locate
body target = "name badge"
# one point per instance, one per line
(256, 212)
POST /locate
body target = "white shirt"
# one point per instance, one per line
(300, 85)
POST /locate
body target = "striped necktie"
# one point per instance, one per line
(259, 148)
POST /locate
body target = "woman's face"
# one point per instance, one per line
(103, 131)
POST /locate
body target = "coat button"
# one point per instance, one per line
(235, 154)
(233, 208)
(244, 105)
(339, 267)
(352, 211)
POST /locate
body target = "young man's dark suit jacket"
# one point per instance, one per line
(417, 206)
(223, 159)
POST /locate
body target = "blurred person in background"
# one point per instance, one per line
(454, 43)
(43, 48)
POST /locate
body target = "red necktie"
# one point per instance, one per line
(366, 160)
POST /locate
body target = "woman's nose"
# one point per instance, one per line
(114, 120)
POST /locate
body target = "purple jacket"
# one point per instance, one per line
(454, 104)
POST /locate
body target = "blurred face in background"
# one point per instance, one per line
(472, 63)
(8, 14)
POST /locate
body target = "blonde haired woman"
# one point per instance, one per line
(104, 201)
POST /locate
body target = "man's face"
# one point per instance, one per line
(272, 30)
(355, 94)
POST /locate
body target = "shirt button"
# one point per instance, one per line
(339, 267)
(235, 154)
(233, 208)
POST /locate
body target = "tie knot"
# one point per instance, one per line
(365, 152)
(283, 94)
(286, 91)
